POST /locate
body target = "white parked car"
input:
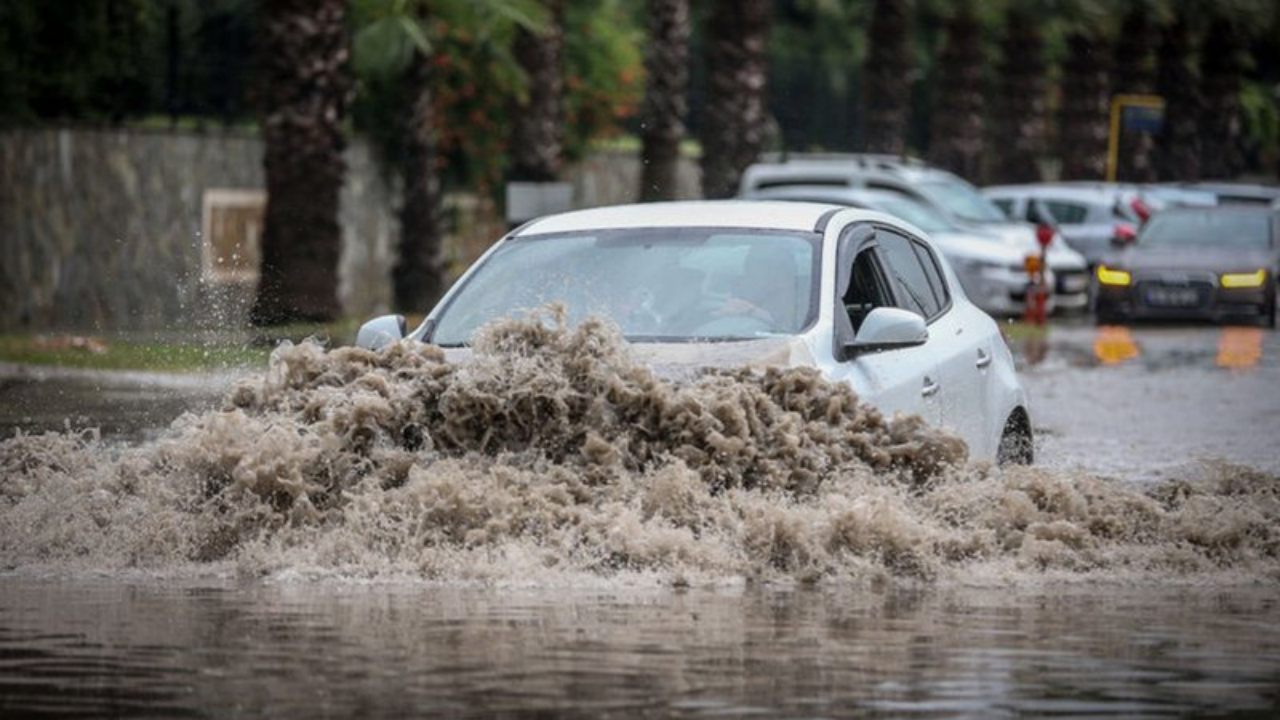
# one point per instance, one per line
(991, 267)
(1093, 217)
(947, 193)
(860, 295)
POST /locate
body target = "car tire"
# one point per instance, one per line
(1017, 445)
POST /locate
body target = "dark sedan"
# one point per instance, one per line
(1208, 263)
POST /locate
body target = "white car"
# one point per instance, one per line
(1093, 217)
(991, 267)
(860, 295)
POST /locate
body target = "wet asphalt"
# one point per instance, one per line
(1154, 401)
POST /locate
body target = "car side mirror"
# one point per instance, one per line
(886, 328)
(381, 332)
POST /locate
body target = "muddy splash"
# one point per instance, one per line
(552, 456)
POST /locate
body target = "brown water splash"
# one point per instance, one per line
(551, 454)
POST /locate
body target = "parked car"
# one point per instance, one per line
(860, 295)
(1229, 193)
(1090, 216)
(991, 268)
(1209, 263)
(951, 195)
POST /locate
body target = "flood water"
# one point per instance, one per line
(329, 542)
(290, 649)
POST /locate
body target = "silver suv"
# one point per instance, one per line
(950, 194)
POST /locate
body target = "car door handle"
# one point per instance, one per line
(984, 358)
(930, 387)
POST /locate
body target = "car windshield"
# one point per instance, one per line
(961, 200)
(667, 285)
(920, 215)
(1208, 228)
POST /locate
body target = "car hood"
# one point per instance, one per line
(1185, 259)
(685, 360)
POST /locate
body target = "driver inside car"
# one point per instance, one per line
(766, 290)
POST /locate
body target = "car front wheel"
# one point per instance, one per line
(1016, 442)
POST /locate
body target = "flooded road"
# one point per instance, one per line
(1156, 402)
(281, 558)
(176, 649)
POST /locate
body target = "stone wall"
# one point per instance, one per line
(102, 229)
(613, 178)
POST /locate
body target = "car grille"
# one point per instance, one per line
(1070, 282)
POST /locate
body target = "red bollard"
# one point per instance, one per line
(1035, 305)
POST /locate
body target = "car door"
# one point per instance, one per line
(962, 353)
(895, 381)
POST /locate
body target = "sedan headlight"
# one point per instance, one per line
(1244, 280)
(1111, 276)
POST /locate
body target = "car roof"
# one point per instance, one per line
(822, 169)
(834, 194)
(755, 214)
(1236, 191)
(1245, 208)
(1096, 195)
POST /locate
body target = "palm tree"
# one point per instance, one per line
(735, 121)
(307, 90)
(1135, 75)
(1085, 108)
(1178, 144)
(538, 139)
(396, 44)
(665, 104)
(887, 87)
(1021, 122)
(1220, 71)
(956, 137)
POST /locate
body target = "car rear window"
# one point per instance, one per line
(1208, 228)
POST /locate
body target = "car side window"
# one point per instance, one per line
(868, 288)
(934, 272)
(910, 281)
(1005, 205)
(1067, 213)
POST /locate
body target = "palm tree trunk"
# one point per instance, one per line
(1221, 124)
(887, 85)
(665, 104)
(418, 277)
(306, 90)
(1134, 75)
(1021, 124)
(538, 141)
(956, 137)
(735, 122)
(1085, 107)
(1178, 144)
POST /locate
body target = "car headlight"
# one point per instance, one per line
(1112, 276)
(1244, 280)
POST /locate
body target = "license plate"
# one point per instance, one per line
(1173, 297)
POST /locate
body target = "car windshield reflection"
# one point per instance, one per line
(962, 201)
(662, 285)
